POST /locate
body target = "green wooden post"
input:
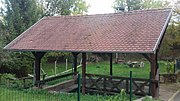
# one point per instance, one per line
(130, 85)
(149, 83)
(79, 87)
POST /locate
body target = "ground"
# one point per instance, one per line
(167, 90)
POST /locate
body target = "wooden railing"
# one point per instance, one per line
(41, 82)
(24, 82)
(114, 84)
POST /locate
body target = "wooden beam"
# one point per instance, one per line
(147, 57)
(75, 61)
(37, 73)
(83, 72)
(111, 71)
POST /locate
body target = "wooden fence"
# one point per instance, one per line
(114, 84)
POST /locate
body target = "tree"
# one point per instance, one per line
(80, 7)
(65, 7)
(151, 4)
(18, 15)
(139, 4)
(171, 42)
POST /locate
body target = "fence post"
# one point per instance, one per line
(130, 85)
(79, 87)
(150, 83)
(174, 68)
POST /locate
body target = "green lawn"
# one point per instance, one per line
(122, 69)
(49, 68)
(103, 68)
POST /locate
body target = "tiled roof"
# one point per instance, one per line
(135, 31)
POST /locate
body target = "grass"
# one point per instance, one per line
(49, 68)
(103, 68)
(122, 69)
(9, 94)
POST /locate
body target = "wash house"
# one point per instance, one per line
(127, 32)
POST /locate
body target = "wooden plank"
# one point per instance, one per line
(116, 77)
(55, 78)
(60, 86)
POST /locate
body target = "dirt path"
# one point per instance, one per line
(167, 90)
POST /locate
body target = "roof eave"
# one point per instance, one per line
(33, 50)
(162, 32)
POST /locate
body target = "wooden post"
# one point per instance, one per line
(154, 76)
(55, 67)
(66, 64)
(131, 85)
(75, 61)
(154, 86)
(79, 86)
(38, 56)
(111, 64)
(83, 72)
(117, 58)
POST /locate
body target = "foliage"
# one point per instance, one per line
(20, 15)
(151, 4)
(80, 7)
(65, 7)
(4, 77)
(17, 64)
(122, 96)
(10, 80)
(139, 4)
(171, 41)
(170, 67)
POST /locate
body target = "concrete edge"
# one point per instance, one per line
(173, 96)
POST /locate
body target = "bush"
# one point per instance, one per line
(9, 80)
(5, 77)
(122, 96)
(16, 63)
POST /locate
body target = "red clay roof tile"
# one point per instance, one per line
(135, 31)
